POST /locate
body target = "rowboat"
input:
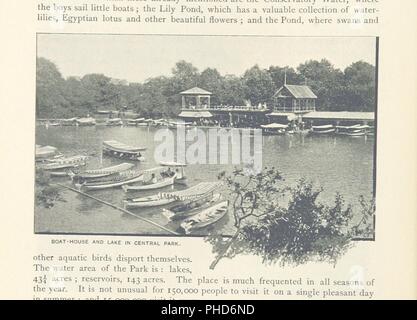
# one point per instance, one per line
(159, 123)
(190, 208)
(352, 131)
(274, 129)
(178, 167)
(147, 202)
(120, 179)
(179, 125)
(136, 122)
(325, 129)
(120, 150)
(69, 122)
(155, 178)
(114, 122)
(103, 112)
(45, 152)
(84, 122)
(191, 194)
(371, 131)
(356, 133)
(100, 173)
(64, 173)
(205, 217)
(64, 163)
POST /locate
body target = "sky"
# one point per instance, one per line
(136, 58)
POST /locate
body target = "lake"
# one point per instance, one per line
(338, 164)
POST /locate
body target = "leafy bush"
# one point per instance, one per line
(287, 225)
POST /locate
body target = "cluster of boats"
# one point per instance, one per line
(195, 208)
(116, 122)
(357, 130)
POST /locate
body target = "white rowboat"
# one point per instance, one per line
(122, 179)
(147, 202)
(206, 217)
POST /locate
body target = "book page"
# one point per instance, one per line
(209, 149)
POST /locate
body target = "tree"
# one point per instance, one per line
(258, 85)
(211, 80)
(232, 91)
(153, 101)
(285, 224)
(100, 93)
(326, 81)
(50, 99)
(351, 90)
(360, 86)
(185, 76)
(278, 76)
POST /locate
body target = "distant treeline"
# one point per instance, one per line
(350, 90)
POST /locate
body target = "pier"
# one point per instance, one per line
(292, 104)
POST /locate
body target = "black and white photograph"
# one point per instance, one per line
(262, 145)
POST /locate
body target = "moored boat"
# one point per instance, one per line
(45, 152)
(64, 163)
(159, 123)
(325, 129)
(114, 122)
(352, 131)
(85, 122)
(179, 168)
(137, 122)
(69, 122)
(119, 180)
(205, 217)
(370, 131)
(155, 178)
(191, 194)
(147, 202)
(274, 129)
(99, 173)
(179, 125)
(120, 150)
(190, 208)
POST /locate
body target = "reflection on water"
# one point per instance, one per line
(338, 164)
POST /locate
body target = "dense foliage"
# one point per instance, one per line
(288, 225)
(352, 89)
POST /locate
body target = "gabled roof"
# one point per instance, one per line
(298, 92)
(196, 91)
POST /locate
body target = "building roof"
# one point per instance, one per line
(196, 91)
(195, 114)
(342, 115)
(298, 92)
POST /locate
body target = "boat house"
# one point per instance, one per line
(195, 105)
(294, 99)
(290, 102)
